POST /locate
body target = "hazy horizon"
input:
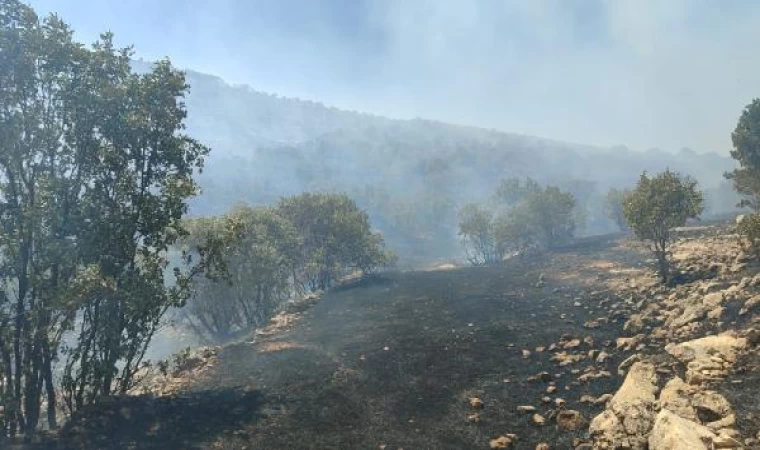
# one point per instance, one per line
(639, 74)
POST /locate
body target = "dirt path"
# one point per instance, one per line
(392, 364)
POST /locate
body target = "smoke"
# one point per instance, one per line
(641, 73)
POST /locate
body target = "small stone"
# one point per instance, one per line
(569, 419)
(526, 408)
(538, 419)
(476, 403)
(542, 446)
(500, 442)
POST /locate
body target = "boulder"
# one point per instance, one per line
(676, 397)
(629, 416)
(568, 419)
(640, 386)
(671, 432)
(708, 358)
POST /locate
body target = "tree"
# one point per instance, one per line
(746, 141)
(514, 232)
(336, 239)
(613, 207)
(551, 212)
(512, 191)
(659, 204)
(476, 229)
(137, 195)
(41, 69)
(260, 251)
(95, 171)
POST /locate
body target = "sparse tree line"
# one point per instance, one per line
(526, 215)
(303, 244)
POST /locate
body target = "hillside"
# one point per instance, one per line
(411, 175)
(456, 357)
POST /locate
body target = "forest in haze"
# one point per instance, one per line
(411, 176)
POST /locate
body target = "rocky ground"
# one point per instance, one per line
(579, 349)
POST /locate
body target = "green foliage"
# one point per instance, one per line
(512, 191)
(514, 231)
(336, 239)
(270, 254)
(746, 140)
(476, 229)
(95, 170)
(551, 212)
(748, 229)
(260, 251)
(613, 207)
(527, 216)
(659, 204)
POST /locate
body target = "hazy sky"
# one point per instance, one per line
(660, 73)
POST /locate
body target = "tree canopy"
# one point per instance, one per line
(746, 151)
(336, 239)
(613, 207)
(524, 216)
(95, 173)
(659, 204)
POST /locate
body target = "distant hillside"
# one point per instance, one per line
(410, 174)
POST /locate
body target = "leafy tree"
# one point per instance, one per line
(260, 251)
(659, 204)
(551, 212)
(95, 171)
(525, 217)
(746, 140)
(476, 229)
(613, 207)
(40, 67)
(512, 191)
(514, 232)
(336, 239)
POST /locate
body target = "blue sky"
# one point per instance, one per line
(640, 73)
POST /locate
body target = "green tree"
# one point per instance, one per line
(551, 213)
(133, 207)
(512, 191)
(95, 170)
(336, 239)
(476, 229)
(613, 207)
(659, 204)
(514, 232)
(746, 141)
(42, 175)
(260, 251)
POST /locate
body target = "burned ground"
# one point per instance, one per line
(393, 362)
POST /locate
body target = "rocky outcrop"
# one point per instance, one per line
(629, 416)
(708, 358)
(671, 432)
